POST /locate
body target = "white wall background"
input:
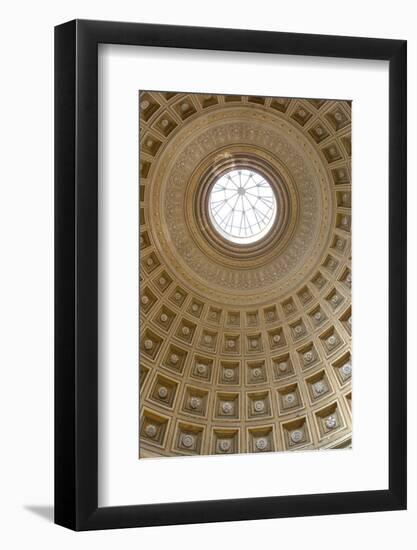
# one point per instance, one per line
(26, 274)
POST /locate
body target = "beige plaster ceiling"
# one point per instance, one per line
(244, 348)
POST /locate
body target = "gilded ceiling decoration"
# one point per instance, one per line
(245, 299)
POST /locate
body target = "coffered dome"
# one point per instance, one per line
(245, 274)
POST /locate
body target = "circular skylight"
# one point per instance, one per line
(242, 206)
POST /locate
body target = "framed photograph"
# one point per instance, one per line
(230, 338)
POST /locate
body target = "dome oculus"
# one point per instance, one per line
(242, 206)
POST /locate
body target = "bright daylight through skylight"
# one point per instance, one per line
(242, 206)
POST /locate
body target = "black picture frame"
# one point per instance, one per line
(76, 273)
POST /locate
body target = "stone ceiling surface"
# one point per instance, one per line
(244, 349)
